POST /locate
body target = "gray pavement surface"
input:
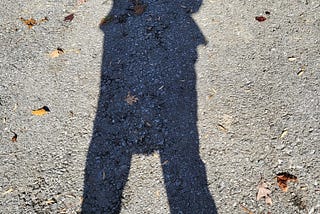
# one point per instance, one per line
(247, 98)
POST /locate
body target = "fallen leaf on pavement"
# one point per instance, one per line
(261, 18)
(15, 136)
(283, 178)
(56, 53)
(291, 58)
(8, 191)
(32, 22)
(79, 2)
(69, 18)
(139, 9)
(106, 20)
(222, 128)
(301, 71)
(264, 192)
(130, 99)
(29, 22)
(283, 134)
(41, 111)
(246, 209)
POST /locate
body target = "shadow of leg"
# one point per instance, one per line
(106, 175)
(185, 179)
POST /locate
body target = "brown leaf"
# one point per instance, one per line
(283, 178)
(69, 18)
(246, 209)
(29, 22)
(106, 20)
(130, 99)
(139, 9)
(41, 111)
(264, 192)
(56, 53)
(32, 22)
(15, 136)
(45, 19)
(261, 18)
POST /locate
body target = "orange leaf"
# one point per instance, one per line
(29, 22)
(41, 111)
(56, 53)
(283, 178)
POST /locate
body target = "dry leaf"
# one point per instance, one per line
(139, 9)
(261, 18)
(69, 18)
(291, 58)
(50, 201)
(283, 134)
(158, 193)
(45, 19)
(301, 71)
(56, 53)
(41, 111)
(222, 128)
(79, 2)
(246, 209)
(283, 178)
(130, 99)
(8, 191)
(15, 136)
(32, 22)
(264, 192)
(106, 20)
(29, 22)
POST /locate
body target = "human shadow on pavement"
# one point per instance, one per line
(148, 103)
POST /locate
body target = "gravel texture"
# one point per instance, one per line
(168, 107)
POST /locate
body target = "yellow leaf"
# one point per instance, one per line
(56, 53)
(41, 111)
(8, 191)
(283, 134)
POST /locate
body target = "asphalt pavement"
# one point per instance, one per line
(160, 106)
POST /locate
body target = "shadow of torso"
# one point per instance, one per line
(148, 102)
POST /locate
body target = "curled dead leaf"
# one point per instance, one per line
(15, 136)
(222, 128)
(301, 71)
(291, 58)
(69, 18)
(106, 20)
(56, 53)
(264, 192)
(283, 134)
(260, 18)
(41, 111)
(283, 178)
